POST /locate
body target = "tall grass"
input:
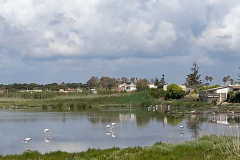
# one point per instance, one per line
(206, 147)
(135, 99)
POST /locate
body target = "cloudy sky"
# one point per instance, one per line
(47, 41)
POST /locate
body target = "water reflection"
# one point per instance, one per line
(27, 143)
(47, 140)
(111, 133)
(77, 130)
(26, 149)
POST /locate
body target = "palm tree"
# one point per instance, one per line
(228, 78)
(231, 81)
(210, 79)
(207, 78)
(225, 79)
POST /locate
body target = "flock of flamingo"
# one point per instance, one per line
(29, 141)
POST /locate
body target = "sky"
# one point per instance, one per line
(55, 41)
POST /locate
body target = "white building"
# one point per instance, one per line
(151, 85)
(219, 93)
(127, 87)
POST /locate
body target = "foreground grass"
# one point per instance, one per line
(206, 147)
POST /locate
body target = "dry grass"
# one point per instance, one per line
(3, 99)
(192, 95)
(90, 96)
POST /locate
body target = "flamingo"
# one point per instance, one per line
(27, 140)
(149, 108)
(111, 127)
(181, 127)
(46, 130)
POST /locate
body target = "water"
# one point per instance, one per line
(78, 130)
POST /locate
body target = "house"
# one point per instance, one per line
(126, 87)
(67, 90)
(151, 85)
(218, 94)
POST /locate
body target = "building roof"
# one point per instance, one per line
(212, 89)
(235, 86)
(229, 86)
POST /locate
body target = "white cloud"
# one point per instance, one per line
(224, 36)
(79, 28)
(117, 32)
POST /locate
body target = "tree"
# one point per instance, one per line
(210, 79)
(174, 92)
(225, 79)
(63, 86)
(207, 78)
(152, 81)
(193, 78)
(92, 82)
(231, 81)
(108, 83)
(228, 78)
(142, 84)
(104, 82)
(162, 81)
(124, 80)
(133, 80)
(156, 81)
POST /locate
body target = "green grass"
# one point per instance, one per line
(135, 99)
(206, 147)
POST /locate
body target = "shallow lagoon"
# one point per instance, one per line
(78, 130)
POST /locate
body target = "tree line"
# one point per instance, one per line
(33, 86)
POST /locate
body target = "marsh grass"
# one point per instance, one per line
(206, 147)
(188, 102)
(135, 99)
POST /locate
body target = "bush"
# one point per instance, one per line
(174, 92)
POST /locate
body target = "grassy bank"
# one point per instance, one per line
(135, 99)
(206, 147)
(85, 99)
